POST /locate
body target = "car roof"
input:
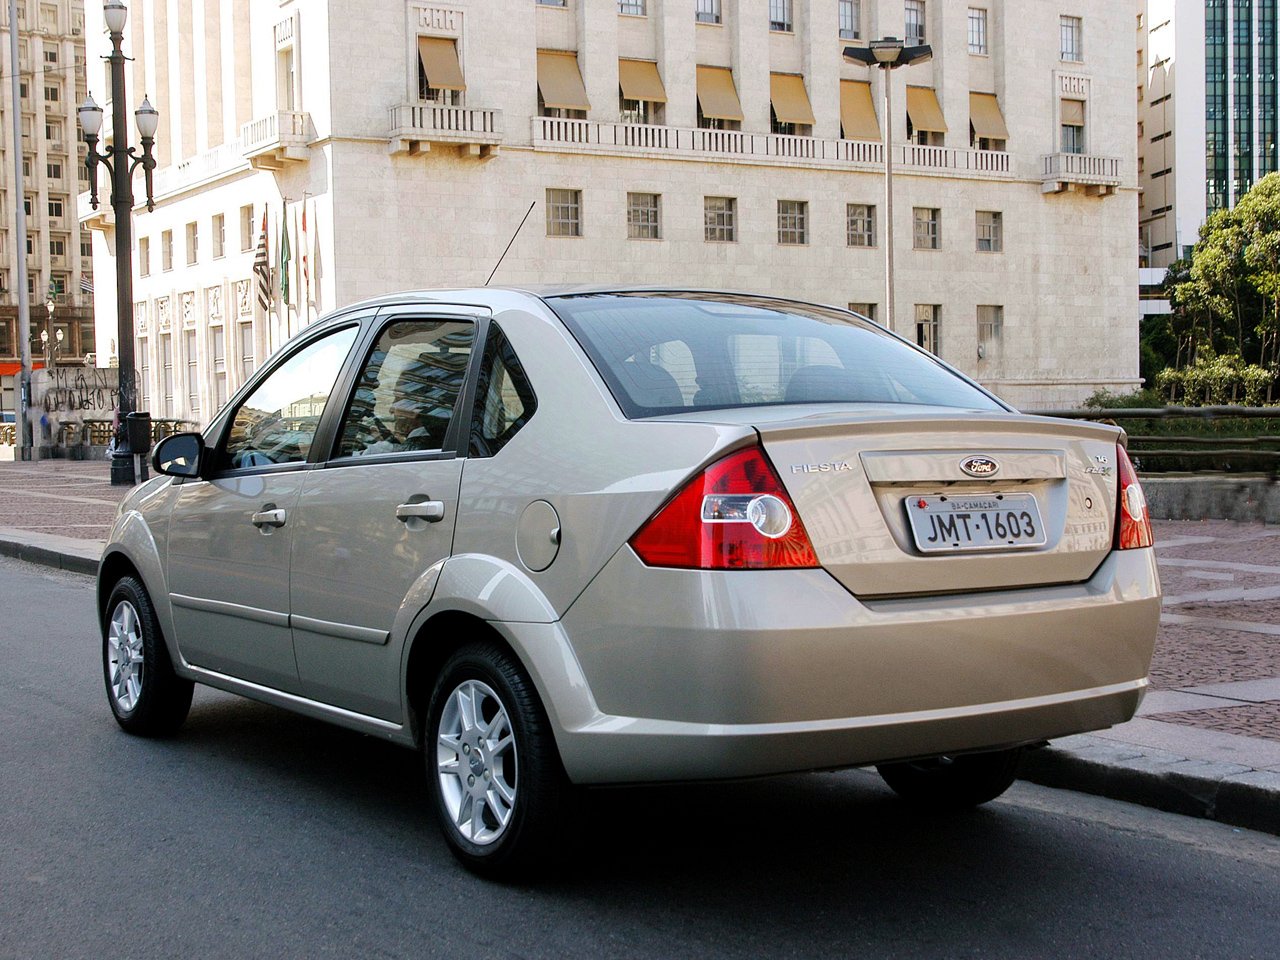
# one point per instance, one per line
(511, 296)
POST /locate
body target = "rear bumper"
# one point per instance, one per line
(672, 675)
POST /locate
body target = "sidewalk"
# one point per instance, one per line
(1206, 740)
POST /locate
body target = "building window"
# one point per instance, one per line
(193, 373)
(850, 19)
(219, 358)
(631, 8)
(927, 326)
(246, 350)
(86, 248)
(53, 170)
(644, 218)
(914, 23)
(716, 123)
(31, 249)
(977, 30)
(219, 235)
(52, 94)
(720, 219)
(990, 231)
(144, 373)
(246, 228)
(564, 213)
(7, 344)
(193, 243)
(861, 224)
(1073, 126)
(144, 256)
(55, 208)
(53, 131)
(26, 166)
(166, 369)
(780, 16)
(27, 205)
(990, 328)
(23, 90)
(632, 111)
(926, 228)
(443, 84)
(1069, 31)
(793, 221)
(166, 250)
(560, 113)
(707, 11)
(57, 248)
(867, 310)
(551, 3)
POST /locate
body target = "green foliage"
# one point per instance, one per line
(1214, 381)
(1104, 399)
(1226, 298)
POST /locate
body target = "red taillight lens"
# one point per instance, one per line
(734, 515)
(1134, 526)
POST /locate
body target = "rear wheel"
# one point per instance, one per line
(492, 765)
(146, 696)
(953, 782)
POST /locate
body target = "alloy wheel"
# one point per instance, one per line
(476, 762)
(125, 659)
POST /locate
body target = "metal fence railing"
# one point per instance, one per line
(1222, 439)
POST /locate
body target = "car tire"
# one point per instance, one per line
(495, 776)
(146, 696)
(953, 782)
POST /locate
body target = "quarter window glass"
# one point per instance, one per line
(406, 395)
(277, 422)
(505, 401)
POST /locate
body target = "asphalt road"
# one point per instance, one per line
(256, 833)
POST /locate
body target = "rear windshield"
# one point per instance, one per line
(670, 353)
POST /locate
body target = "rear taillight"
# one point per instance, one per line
(1134, 521)
(735, 515)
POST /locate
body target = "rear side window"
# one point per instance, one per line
(406, 394)
(505, 401)
(671, 353)
(277, 422)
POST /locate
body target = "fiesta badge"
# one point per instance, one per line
(979, 466)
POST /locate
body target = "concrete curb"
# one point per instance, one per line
(64, 553)
(1227, 792)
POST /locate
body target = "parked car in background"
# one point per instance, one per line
(565, 538)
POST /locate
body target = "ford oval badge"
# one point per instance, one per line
(979, 466)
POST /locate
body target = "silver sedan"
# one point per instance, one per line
(564, 538)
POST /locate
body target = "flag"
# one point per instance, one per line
(262, 268)
(306, 276)
(285, 256)
(86, 284)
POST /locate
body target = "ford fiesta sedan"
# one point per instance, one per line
(602, 537)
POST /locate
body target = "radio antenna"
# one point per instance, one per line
(511, 241)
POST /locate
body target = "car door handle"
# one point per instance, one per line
(269, 518)
(431, 511)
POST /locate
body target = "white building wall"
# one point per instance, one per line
(440, 215)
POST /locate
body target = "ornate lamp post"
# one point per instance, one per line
(121, 160)
(888, 54)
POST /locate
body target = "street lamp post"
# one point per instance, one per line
(888, 54)
(120, 159)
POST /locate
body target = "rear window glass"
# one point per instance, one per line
(668, 353)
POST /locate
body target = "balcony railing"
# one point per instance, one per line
(553, 133)
(210, 165)
(1065, 171)
(270, 142)
(415, 126)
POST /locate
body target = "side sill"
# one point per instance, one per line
(395, 732)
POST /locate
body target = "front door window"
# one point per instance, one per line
(277, 422)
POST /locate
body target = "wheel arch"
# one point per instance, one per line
(133, 552)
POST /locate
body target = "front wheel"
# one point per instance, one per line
(953, 782)
(145, 694)
(494, 772)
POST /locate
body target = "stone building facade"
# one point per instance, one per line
(51, 71)
(705, 143)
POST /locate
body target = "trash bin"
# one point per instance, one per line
(138, 426)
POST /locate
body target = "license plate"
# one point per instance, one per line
(996, 522)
